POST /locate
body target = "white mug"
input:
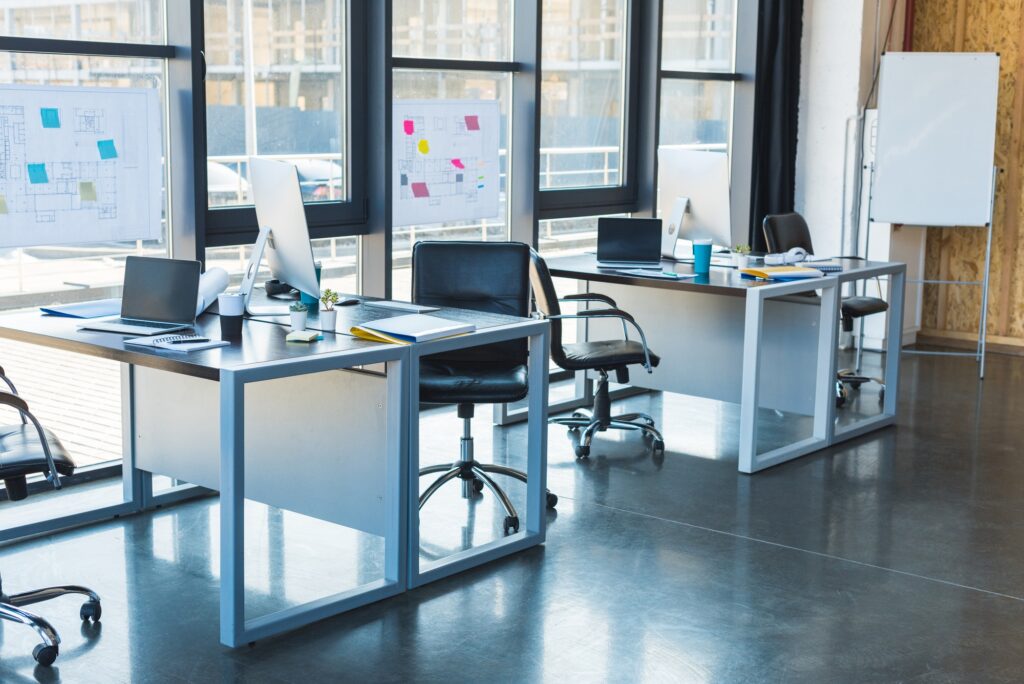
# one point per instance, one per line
(230, 304)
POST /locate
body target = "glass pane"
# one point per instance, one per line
(696, 114)
(117, 21)
(446, 29)
(276, 87)
(60, 274)
(452, 85)
(698, 35)
(339, 259)
(582, 106)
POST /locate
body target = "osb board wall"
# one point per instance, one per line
(959, 253)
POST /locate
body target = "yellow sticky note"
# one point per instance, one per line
(3, 204)
(87, 191)
(423, 147)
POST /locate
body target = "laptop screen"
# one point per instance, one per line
(628, 239)
(160, 290)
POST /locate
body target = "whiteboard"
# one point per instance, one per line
(79, 165)
(445, 161)
(936, 138)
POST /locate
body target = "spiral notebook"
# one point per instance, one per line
(177, 343)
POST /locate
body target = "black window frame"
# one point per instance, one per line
(236, 225)
(557, 203)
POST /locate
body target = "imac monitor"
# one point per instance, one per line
(693, 197)
(284, 235)
(628, 243)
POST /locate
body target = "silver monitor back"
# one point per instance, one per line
(282, 220)
(702, 177)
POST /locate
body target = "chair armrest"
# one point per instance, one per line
(589, 297)
(622, 316)
(613, 312)
(16, 402)
(7, 381)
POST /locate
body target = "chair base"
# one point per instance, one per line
(475, 476)
(46, 652)
(600, 420)
(847, 377)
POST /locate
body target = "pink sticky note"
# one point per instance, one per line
(457, 163)
(409, 126)
(420, 190)
(472, 123)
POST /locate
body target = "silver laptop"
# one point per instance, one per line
(159, 296)
(627, 243)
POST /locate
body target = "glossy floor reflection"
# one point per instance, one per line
(898, 556)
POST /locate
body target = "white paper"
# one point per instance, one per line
(211, 284)
(79, 165)
(445, 161)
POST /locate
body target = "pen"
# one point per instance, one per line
(190, 340)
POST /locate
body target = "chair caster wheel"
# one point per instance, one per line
(478, 485)
(582, 451)
(552, 500)
(44, 655)
(91, 610)
(511, 523)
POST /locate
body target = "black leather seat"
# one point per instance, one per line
(603, 356)
(783, 232)
(27, 449)
(482, 276)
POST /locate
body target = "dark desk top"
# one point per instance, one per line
(721, 280)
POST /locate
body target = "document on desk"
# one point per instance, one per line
(650, 273)
(177, 343)
(781, 272)
(93, 309)
(411, 328)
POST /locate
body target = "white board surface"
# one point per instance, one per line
(445, 161)
(936, 138)
(79, 165)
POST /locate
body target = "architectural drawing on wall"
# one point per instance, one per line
(79, 165)
(445, 161)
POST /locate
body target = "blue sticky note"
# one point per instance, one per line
(50, 116)
(107, 149)
(37, 173)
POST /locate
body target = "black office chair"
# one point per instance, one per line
(482, 276)
(603, 356)
(783, 232)
(27, 449)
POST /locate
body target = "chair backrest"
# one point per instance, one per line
(483, 276)
(546, 299)
(783, 232)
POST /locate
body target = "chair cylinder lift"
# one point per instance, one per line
(783, 232)
(602, 356)
(27, 449)
(481, 276)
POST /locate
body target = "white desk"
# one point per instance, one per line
(756, 344)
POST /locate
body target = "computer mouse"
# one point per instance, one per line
(347, 301)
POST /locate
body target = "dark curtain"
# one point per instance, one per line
(776, 98)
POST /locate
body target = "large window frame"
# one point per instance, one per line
(235, 225)
(557, 203)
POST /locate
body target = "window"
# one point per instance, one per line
(583, 86)
(118, 21)
(697, 35)
(280, 83)
(477, 31)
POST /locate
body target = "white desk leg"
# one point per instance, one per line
(894, 341)
(537, 437)
(232, 509)
(825, 376)
(137, 484)
(751, 379)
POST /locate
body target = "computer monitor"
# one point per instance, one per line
(284, 235)
(693, 197)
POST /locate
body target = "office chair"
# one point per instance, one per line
(482, 276)
(603, 356)
(783, 232)
(26, 449)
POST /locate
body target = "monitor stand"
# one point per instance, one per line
(249, 278)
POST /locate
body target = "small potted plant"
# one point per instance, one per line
(297, 311)
(741, 256)
(328, 315)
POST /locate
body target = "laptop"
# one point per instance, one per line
(628, 243)
(159, 296)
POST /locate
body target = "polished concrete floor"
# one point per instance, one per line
(895, 557)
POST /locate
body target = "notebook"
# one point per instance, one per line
(410, 328)
(176, 343)
(401, 306)
(94, 309)
(781, 272)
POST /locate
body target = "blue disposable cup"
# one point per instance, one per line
(702, 256)
(309, 300)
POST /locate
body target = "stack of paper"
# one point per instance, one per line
(411, 328)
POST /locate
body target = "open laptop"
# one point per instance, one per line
(159, 296)
(626, 243)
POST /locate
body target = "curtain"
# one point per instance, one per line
(776, 101)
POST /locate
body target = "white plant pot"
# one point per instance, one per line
(328, 320)
(298, 320)
(741, 260)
